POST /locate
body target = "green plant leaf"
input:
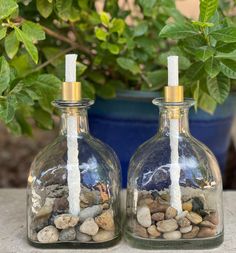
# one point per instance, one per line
(128, 64)
(22, 122)
(4, 74)
(157, 78)
(196, 71)
(113, 48)
(231, 55)
(204, 53)
(88, 89)
(105, 18)
(64, 9)
(196, 93)
(117, 25)
(207, 103)
(225, 47)
(7, 109)
(147, 6)
(101, 34)
(14, 127)
(44, 7)
(227, 35)
(47, 87)
(106, 91)
(80, 69)
(228, 68)
(22, 64)
(202, 24)
(3, 32)
(207, 9)
(30, 47)
(7, 8)
(140, 29)
(219, 88)
(43, 118)
(212, 67)
(50, 52)
(33, 31)
(178, 31)
(11, 44)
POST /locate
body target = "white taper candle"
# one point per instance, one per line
(175, 191)
(73, 172)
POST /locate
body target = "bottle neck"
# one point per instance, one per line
(174, 120)
(74, 118)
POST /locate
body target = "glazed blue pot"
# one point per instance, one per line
(129, 120)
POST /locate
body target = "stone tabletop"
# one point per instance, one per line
(13, 228)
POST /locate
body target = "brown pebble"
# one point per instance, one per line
(184, 222)
(152, 230)
(158, 216)
(187, 206)
(213, 218)
(140, 231)
(105, 220)
(171, 212)
(155, 207)
(191, 234)
(60, 205)
(208, 224)
(194, 217)
(206, 232)
(147, 201)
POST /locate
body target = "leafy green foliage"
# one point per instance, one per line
(112, 54)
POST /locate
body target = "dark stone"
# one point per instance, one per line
(197, 205)
(61, 205)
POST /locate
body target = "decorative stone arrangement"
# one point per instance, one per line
(51, 222)
(156, 219)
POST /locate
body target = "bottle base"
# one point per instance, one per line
(197, 243)
(76, 244)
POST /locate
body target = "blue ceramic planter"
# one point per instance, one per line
(129, 120)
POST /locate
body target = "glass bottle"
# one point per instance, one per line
(50, 223)
(151, 221)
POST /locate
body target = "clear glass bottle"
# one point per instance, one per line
(50, 224)
(151, 222)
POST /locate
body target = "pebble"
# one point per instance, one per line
(64, 221)
(181, 215)
(197, 205)
(167, 225)
(89, 197)
(146, 201)
(206, 232)
(105, 220)
(68, 234)
(184, 222)
(158, 216)
(90, 212)
(192, 234)
(61, 205)
(194, 217)
(185, 230)
(140, 231)
(171, 212)
(152, 230)
(213, 218)
(187, 206)
(208, 224)
(56, 191)
(46, 209)
(89, 227)
(48, 234)
(156, 206)
(174, 235)
(144, 216)
(81, 237)
(103, 236)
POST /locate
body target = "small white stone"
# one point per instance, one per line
(89, 227)
(103, 236)
(175, 235)
(144, 216)
(65, 221)
(185, 230)
(48, 234)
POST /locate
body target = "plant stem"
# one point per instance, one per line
(43, 65)
(146, 80)
(67, 40)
